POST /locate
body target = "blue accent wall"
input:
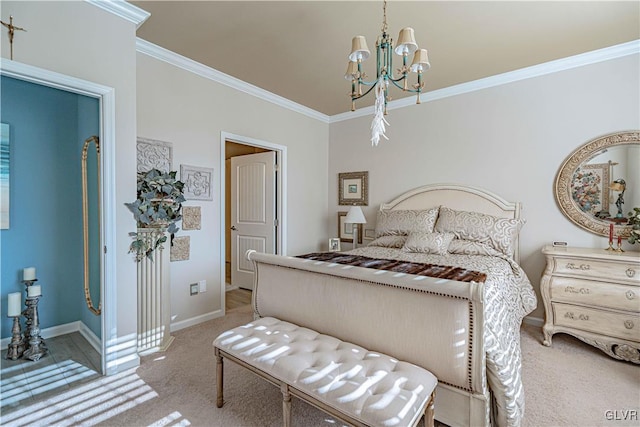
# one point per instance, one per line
(47, 131)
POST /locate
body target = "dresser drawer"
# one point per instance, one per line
(609, 270)
(625, 326)
(602, 294)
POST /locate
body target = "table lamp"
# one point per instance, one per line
(355, 216)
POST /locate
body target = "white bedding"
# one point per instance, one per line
(509, 297)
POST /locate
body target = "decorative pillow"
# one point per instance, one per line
(499, 233)
(467, 247)
(389, 241)
(402, 222)
(428, 243)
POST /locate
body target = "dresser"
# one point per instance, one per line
(594, 295)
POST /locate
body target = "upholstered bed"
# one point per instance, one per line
(448, 295)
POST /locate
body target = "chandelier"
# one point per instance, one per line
(384, 72)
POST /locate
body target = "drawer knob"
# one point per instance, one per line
(572, 266)
(630, 295)
(630, 272)
(628, 324)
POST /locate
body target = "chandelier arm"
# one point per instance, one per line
(354, 98)
(371, 83)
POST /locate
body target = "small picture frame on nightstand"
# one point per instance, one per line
(334, 244)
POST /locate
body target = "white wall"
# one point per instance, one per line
(509, 139)
(83, 41)
(191, 111)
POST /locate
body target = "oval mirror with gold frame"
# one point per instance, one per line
(91, 222)
(599, 183)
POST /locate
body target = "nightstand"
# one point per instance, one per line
(594, 295)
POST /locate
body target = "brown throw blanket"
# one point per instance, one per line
(419, 269)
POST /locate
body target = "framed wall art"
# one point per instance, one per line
(180, 248)
(369, 234)
(353, 188)
(345, 230)
(197, 182)
(152, 154)
(590, 188)
(191, 218)
(334, 244)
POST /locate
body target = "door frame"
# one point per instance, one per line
(106, 99)
(281, 196)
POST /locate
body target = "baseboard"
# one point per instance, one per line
(195, 320)
(533, 321)
(91, 338)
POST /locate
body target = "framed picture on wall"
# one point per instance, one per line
(353, 188)
(197, 182)
(345, 230)
(153, 154)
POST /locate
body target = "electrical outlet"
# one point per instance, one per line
(202, 285)
(193, 289)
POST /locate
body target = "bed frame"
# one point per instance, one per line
(380, 309)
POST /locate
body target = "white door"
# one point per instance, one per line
(253, 212)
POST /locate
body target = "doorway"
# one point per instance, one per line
(93, 107)
(235, 146)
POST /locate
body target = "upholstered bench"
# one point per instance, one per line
(355, 385)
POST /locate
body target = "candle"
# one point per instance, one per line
(29, 273)
(34, 291)
(619, 240)
(15, 304)
(611, 233)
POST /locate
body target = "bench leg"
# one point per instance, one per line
(286, 405)
(219, 378)
(429, 411)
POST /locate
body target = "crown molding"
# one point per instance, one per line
(123, 9)
(593, 57)
(201, 70)
(588, 58)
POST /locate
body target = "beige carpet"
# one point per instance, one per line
(570, 384)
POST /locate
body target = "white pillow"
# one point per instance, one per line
(429, 243)
(467, 247)
(389, 241)
(402, 222)
(499, 233)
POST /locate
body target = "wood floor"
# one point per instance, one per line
(237, 298)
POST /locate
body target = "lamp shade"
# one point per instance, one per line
(355, 216)
(352, 71)
(359, 49)
(406, 42)
(420, 61)
(618, 185)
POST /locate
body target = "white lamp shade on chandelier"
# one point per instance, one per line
(420, 61)
(355, 216)
(406, 42)
(359, 49)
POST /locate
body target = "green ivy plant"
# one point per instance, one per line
(634, 220)
(158, 205)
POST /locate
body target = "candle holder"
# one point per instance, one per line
(16, 346)
(28, 283)
(37, 347)
(619, 249)
(610, 248)
(27, 312)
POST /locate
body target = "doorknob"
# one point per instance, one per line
(233, 227)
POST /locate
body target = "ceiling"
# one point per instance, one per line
(298, 49)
